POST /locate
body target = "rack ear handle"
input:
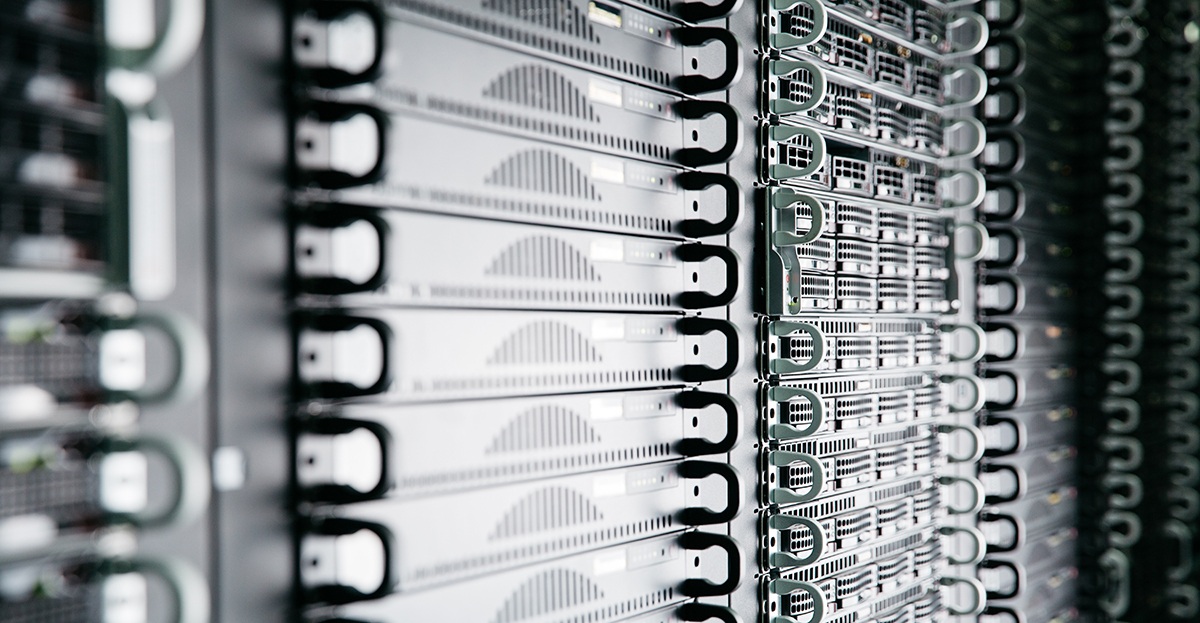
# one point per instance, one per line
(191, 356)
(336, 594)
(189, 590)
(1017, 572)
(698, 373)
(1017, 425)
(976, 536)
(781, 495)
(820, 86)
(345, 494)
(976, 489)
(1018, 532)
(1016, 616)
(696, 611)
(791, 587)
(1179, 531)
(696, 587)
(699, 109)
(1113, 519)
(694, 470)
(787, 522)
(820, 18)
(190, 479)
(697, 252)
(341, 216)
(1115, 564)
(1017, 475)
(335, 323)
(694, 446)
(781, 328)
(330, 113)
(980, 595)
(700, 180)
(788, 431)
(694, 84)
(978, 444)
(782, 133)
(782, 198)
(331, 77)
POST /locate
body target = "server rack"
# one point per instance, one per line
(797, 311)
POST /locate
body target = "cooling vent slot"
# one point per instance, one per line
(545, 342)
(560, 15)
(546, 509)
(542, 88)
(543, 257)
(543, 171)
(543, 426)
(546, 592)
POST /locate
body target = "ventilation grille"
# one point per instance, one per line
(543, 257)
(66, 495)
(543, 171)
(560, 15)
(545, 342)
(543, 88)
(543, 426)
(547, 509)
(549, 591)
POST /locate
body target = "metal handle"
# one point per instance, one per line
(976, 537)
(786, 366)
(788, 522)
(980, 340)
(336, 594)
(979, 592)
(782, 198)
(1116, 566)
(345, 494)
(701, 12)
(697, 181)
(820, 86)
(981, 85)
(1018, 475)
(980, 136)
(820, 19)
(976, 435)
(332, 77)
(980, 191)
(698, 253)
(189, 478)
(788, 394)
(781, 133)
(695, 84)
(191, 356)
(698, 373)
(1180, 532)
(695, 516)
(696, 587)
(336, 323)
(333, 217)
(791, 587)
(330, 113)
(976, 489)
(787, 496)
(981, 25)
(1019, 578)
(1018, 532)
(976, 384)
(699, 109)
(693, 446)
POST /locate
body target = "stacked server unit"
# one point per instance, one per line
(510, 333)
(86, 234)
(866, 400)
